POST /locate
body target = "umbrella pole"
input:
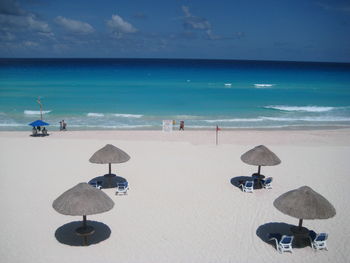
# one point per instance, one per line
(84, 227)
(109, 177)
(84, 221)
(258, 177)
(300, 223)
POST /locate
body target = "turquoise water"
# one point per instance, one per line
(140, 93)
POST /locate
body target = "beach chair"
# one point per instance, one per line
(34, 132)
(247, 186)
(318, 242)
(284, 244)
(122, 188)
(267, 183)
(96, 184)
(44, 131)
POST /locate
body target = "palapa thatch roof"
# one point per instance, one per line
(109, 154)
(304, 203)
(260, 156)
(83, 199)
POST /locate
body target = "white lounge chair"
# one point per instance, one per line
(122, 188)
(248, 186)
(267, 183)
(96, 184)
(319, 242)
(285, 244)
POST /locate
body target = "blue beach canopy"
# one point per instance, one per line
(38, 123)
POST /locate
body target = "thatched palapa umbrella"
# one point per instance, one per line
(260, 156)
(109, 154)
(304, 203)
(83, 200)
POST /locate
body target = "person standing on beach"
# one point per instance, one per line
(64, 125)
(61, 126)
(182, 126)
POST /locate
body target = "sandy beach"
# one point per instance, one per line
(182, 205)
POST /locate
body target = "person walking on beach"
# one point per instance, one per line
(182, 126)
(61, 126)
(64, 125)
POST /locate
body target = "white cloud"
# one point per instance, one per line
(119, 26)
(196, 23)
(26, 22)
(74, 25)
(17, 23)
(37, 25)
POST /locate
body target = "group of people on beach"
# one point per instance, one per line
(63, 125)
(37, 129)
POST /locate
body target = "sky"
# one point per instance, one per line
(289, 30)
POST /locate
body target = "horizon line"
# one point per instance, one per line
(150, 58)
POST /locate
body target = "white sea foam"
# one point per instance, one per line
(235, 120)
(300, 108)
(12, 125)
(94, 114)
(263, 86)
(228, 85)
(284, 119)
(35, 112)
(128, 115)
(309, 119)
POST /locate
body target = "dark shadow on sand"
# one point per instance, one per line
(66, 233)
(236, 181)
(275, 229)
(39, 135)
(108, 180)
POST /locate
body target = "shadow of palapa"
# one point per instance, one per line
(276, 229)
(108, 180)
(39, 135)
(236, 181)
(66, 234)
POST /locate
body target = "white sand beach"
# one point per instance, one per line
(181, 205)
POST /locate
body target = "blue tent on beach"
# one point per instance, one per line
(38, 123)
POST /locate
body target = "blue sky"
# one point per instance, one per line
(298, 30)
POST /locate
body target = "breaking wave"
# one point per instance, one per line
(235, 120)
(12, 125)
(262, 86)
(301, 108)
(309, 119)
(128, 115)
(284, 119)
(94, 114)
(35, 112)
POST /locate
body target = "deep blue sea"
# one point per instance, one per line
(92, 94)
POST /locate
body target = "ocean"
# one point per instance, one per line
(95, 94)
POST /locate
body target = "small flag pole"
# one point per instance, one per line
(41, 108)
